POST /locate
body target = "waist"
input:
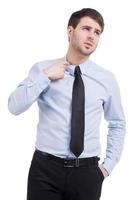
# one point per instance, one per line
(70, 162)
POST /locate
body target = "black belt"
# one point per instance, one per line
(71, 162)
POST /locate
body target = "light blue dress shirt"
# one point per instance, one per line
(102, 96)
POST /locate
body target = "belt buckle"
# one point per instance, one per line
(66, 164)
(75, 163)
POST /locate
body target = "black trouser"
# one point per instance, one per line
(53, 178)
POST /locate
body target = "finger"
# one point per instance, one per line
(64, 62)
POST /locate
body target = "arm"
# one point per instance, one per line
(113, 113)
(37, 82)
(28, 91)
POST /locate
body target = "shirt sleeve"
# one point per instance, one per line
(28, 91)
(113, 113)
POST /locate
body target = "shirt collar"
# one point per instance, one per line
(83, 67)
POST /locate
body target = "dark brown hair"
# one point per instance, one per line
(92, 13)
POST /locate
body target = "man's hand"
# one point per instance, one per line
(56, 71)
(104, 171)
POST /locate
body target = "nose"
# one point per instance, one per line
(91, 35)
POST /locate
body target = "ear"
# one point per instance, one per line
(69, 31)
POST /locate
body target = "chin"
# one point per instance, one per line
(87, 53)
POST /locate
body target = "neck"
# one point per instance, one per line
(75, 58)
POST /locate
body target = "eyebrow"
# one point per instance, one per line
(92, 28)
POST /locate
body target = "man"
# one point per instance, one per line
(72, 93)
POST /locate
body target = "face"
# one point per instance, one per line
(85, 37)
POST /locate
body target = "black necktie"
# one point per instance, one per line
(77, 120)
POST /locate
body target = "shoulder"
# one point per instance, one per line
(101, 75)
(98, 69)
(45, 63)
(100, 72)
(39, 66)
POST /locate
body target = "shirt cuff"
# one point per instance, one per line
(108, 164)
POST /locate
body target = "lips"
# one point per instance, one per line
(88, 44)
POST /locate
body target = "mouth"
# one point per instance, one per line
(88, 44)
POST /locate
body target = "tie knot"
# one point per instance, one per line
(77, 71)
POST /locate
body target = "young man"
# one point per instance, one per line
(72, 93)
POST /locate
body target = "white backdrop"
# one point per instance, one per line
(34, 30)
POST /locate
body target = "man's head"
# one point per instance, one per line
(84, 29)
(86, 12)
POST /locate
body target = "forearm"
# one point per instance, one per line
(27, 93)
(38, 80)
(115, 141)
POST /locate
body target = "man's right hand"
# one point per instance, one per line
(56, 71)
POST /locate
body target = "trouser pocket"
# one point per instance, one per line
(100, 173)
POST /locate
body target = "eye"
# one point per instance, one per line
(97, 32)
(87, 28)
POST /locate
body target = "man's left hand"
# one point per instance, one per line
(104, 171)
